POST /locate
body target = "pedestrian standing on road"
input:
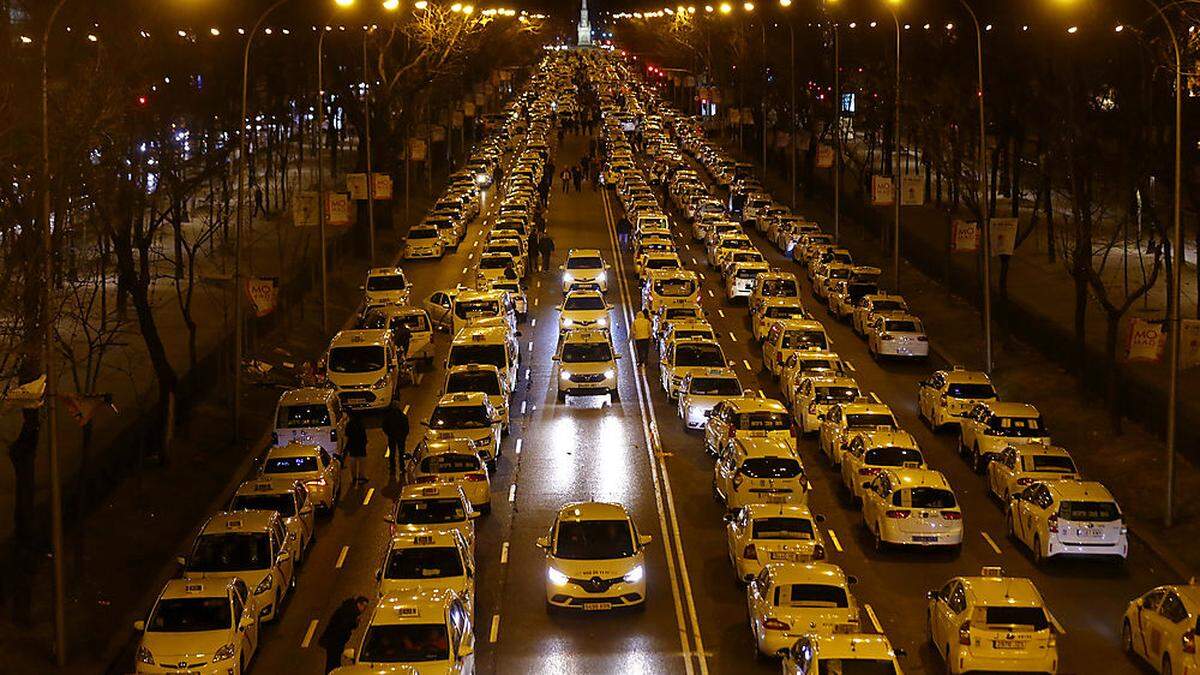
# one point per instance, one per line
(258, 202)
(586, 164)
(395, 427)
(341, 626)
(547, 246)
(403, 338)
(356, 446)
(566, 180)
(576, 177)
(533, 248)
(623, 229)
(641, 336)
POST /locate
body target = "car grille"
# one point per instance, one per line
(596, 584)
(353, 398)
(583, 378)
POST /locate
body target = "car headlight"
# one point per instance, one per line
(566, 374)
(567, 321)
(225, 653)
(555, 577)
(635, 575)
(602, 321)
(265, 585)
(144, 656)
(601, 277)
(380, 382)
(567, 276)
(608, 374)
(480, 442)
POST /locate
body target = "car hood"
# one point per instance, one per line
(170, 649)
(586, 569)
(355, 379)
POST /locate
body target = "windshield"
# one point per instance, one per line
(1033, 617)
(461, 355)
(593, 540)
(785, 312)
(770, 467)
(423, 233)
(674, 288)
(869, 420)
(1048, 463)
(891, 456)
(716, 386)
(584, 302)
(1089, 512)
(865, 666)
(450, 463)
(230, 552)
(1016, 427)
(459, 417)
(763, 421)
(744, 273)
(691, 333)
(747, 256)
(812, 595)
(586, 352)
(902, 326)
(834, 394)
(839, 273)
(970, 390)
(189, 615)
(708, 355)
(888, 306)
(430, 511)
(813, 365)
(357, 359)
(495, 262)
(584, 263)
(857, 290)
(290, 464)
(424, 562)
(682, 313)
(804, 339)
(284, 503)
(391, 282)
(482, 381)
(662, 263)
(405, 643)
(476, 308)
(783, 528)
(301, 416)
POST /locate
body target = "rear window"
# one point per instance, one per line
(1049, 463)
(812, 595)
(783, 528)
(366, 359)
(425, 562)
(584, 263)
(804, 339)
(834, 394)
(481, 381)
(699, 355)
(430, 511)
(902, 327)
(1026, 617)
(450, 463)
(1089, 512)
(675, 288)
(715, 386)
(749, 273)
(869, 420)
(763, 421)
(461, 355)
(924, 498)
(970, 390)
(891, 456)
(1018, 427)
(785, 312)
(770, 467)
(302, 416)
(391, 282)
(290, 464)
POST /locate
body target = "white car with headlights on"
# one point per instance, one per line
(702, 391)
(1019, 466)
(894, 335)
(586, 364)
(583, 309)
(1068, 518)
(788, 600)
(948, 395)
(992, 622)
(428, 561)
(912, 507)
(871, 451)
(202, 626)
(595, 558)
(440, 507)
(759, 470)
(584, 268)
(760, 534)
(469, 416)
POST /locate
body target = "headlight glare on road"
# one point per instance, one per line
(635, 575)
(555, 577)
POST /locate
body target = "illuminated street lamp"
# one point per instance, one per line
(892, 4)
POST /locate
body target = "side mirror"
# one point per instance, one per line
(644, 539)
(361, 287)
(474, 514)
(283, 556)
(558, 307)
(851, 579)
(727, 517)
(819, 518)
(556, 357)
(348, 654)
(389, 518)
(139, 626)
(931, 595)
(181, 560)
(543, 542)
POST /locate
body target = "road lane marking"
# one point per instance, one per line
(694, 260)
(991, 543)
(527, 371)
(721, 312)
(761, 394)
(530, 345)
(875, 397)
(874, 619)
(405, 408)
(512, 493)
(524, 402)
(747, 364)
(533, 323)
(519, 441)
(732, 336)
(495, 632)
(537, 284)
(464, 270)
(535, 302)
(710, 293)
(370, 493)
(308, 634)
(504, 554)
(837, 545)
(342, 557)
(850, 366)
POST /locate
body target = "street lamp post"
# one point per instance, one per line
(367, 128)
(896, 168)
(837, 131)
(321, 180)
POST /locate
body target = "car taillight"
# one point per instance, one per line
(1189, 642)
(1025, 481)
(750, 553)
(868, 471)
(885, 337)
(775, 624)
(818, 552)
(964, 634)
(1052, 524)
(952, 515)
(897, 513)
(333, 435)
(476, 477)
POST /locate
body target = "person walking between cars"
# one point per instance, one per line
(533, 248)
(641, 336)
(577, 177)
(356, 446)
(547, 247)
(623, 229)
(395, 427)
(566, 180)
(341, 626)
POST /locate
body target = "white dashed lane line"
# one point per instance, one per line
(710, 293)
(837, 545)
(504, 554)
(747, 364)
(990, 542)
(875, 397)
(721, 312)
(732, 336)
(370, 493)
(495, 632)
(850, 366)
(342, 558)
(512, 493)
(308, 634)
(519, 443)
(874, 619)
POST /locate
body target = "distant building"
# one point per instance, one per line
(585, 27)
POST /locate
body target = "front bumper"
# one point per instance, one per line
(184, 667)
(584, 595)
(365, 399)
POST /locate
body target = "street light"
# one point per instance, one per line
(896, 169)
(837, 127)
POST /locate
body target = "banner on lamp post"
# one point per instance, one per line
(1189, 343)
(965, 236)
(1003, 235)
(337, 208)
(383, 185)
(735, 116)
(882, 191)
(417, 149)
(469, 108)
(304, 209)
(1146, 341)
(356, 185)
(912, 191)
(263, 294)
(824, 157)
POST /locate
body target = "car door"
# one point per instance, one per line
(717, 424)
(1143, 624)
(1167, 628)
(1000, 471)
(304, 510)
(245, 634)
(285, 563)
(725, 468)
(941, 617)
(873, 498)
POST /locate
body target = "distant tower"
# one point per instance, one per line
(585, 27)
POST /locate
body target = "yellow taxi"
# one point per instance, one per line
(791, 335)
(320, 472)
(595, 558)
(415, 632)
(814, 395)
(845, 651)
(770, 311)
(251, 545)
(744, 416)
(287, 497)
(469, 416)
(438, 507)
(202, 626)
(948, 395)
(845, 419)
(760, 534)
(756, 469)
(873, 450)
(428, 560)
(453, 461)
(789, 600)
(685, 357)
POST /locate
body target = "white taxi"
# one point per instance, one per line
(251, 545)
(386, 286)
(1068, 517)
(420, 329)
(470, 416)
(808, 363)
(583, 309)
(948, 395)
(1162, 626)
(363, 366)
(202, 626)
(586, 364)
(846, 419)
(791, 335)
(813, 396)
(516, 295)
(845, 651)
(769, 311)
(427, 561)
(992, 622)
(1019, 466)
(990, 427)
(595, 558)
(788, 600)
(869, 452)
(875, 303)
(482, 308)
(312, 465)
(760, 534)
(584, 268)
(700, 392)
(287, 497)
(740, 280)
(913, 507)
(676, 287)
(684, 357)
(423, 241)
(492, 345)
(756, 469)
(441, 507)
(484, 378)
(310, 415)
(744, 416)
(415, 632)
(453, 461)
(895, 335)
(495, 266)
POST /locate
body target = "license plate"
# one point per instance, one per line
(1090, 533)
(785, 555)
(925, 537)
(1008, 644)
(597, 606)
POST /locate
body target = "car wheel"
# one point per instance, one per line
(614, 394)
(1126, 637)
(562, 396)
(880, 544)
(1166, 665)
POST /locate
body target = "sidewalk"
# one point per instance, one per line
(1131, 465)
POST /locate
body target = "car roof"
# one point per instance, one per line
(753, 445)
(578, 511)
(755, 404)
(992, 587)
(215, 587)
(419, 538)
(879, 438)
(797, 323)
(463, 398)
(489, 294)
(910, 478)
(255, 520)
(811, 572)
(384, 271)
(443, 446)
(1028, 449)
(473, 368)
(360, 337)
(294, 449)
(267, 485)
(589, 335)
(857, 407)
(584, 252)
(778, 510)
(1079, 490)
(959, 376)
(432, 491)
(852, 645)
(484, 334)
(304, 395)
(788, 300)
(1012, 409)
(583, 292)
(412, 606)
